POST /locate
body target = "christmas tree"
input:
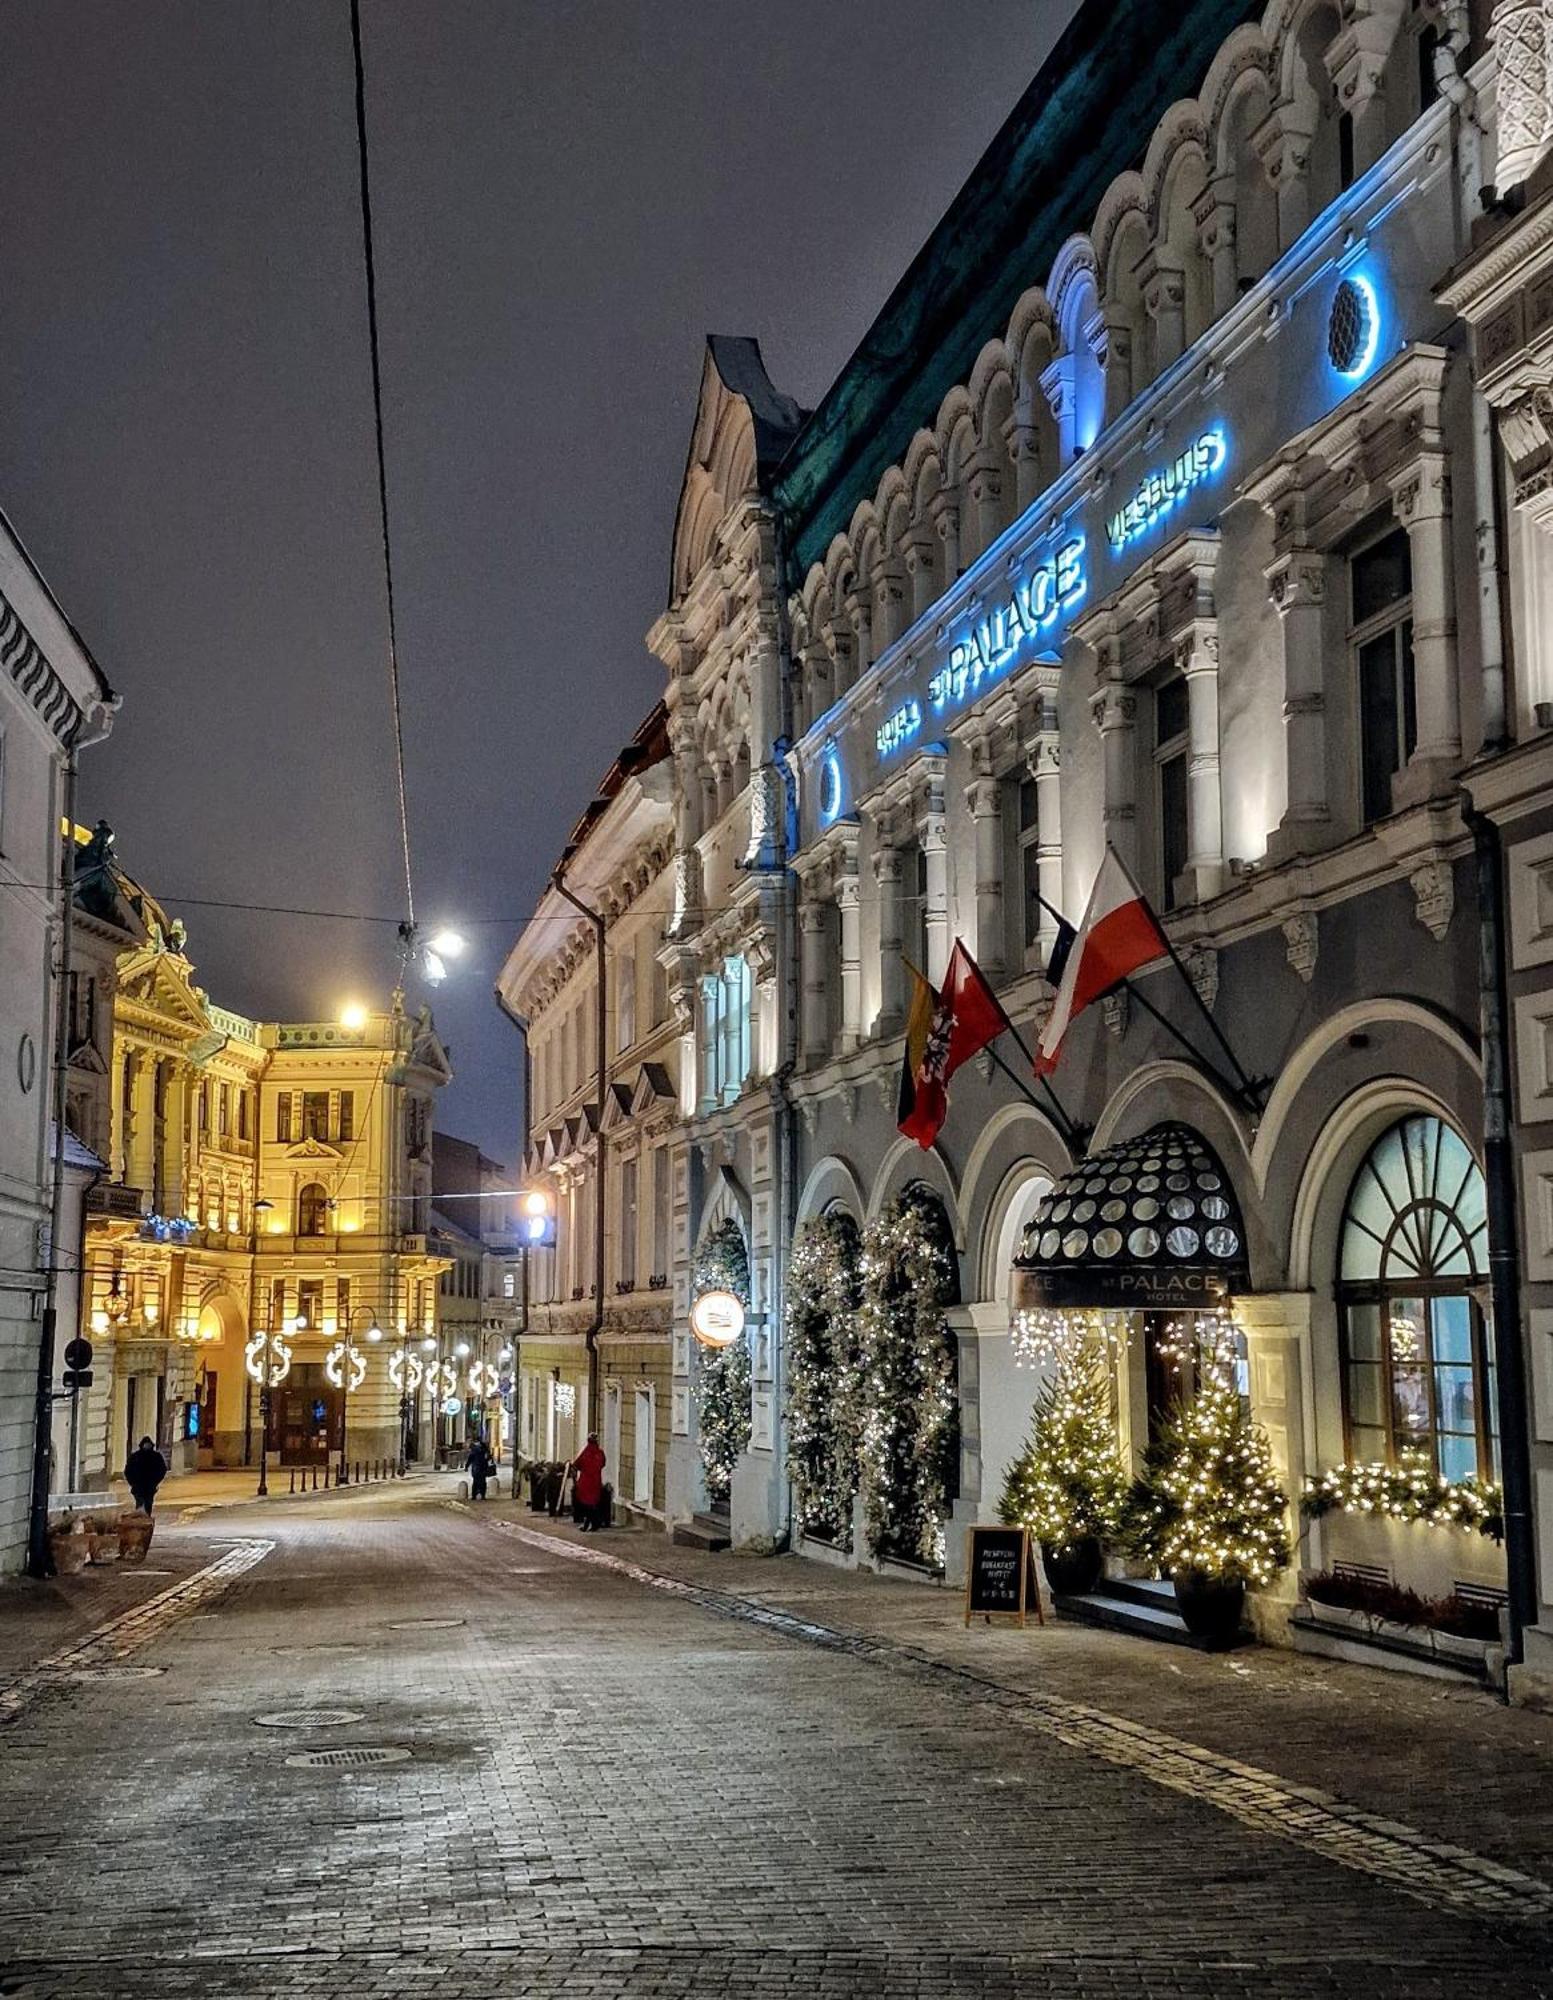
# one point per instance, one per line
(1068, 1483)
(824, 1375)
(723, 1390)
(1210, 1501)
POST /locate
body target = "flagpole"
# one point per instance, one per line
(1070, 1131)
(1245, 1089)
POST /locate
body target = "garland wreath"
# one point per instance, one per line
(723, 1384)
(910, 1446)
(824, 1375)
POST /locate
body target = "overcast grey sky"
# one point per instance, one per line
(568, 195)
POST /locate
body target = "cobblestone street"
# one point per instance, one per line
(617, 1768)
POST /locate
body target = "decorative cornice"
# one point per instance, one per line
(35, 679)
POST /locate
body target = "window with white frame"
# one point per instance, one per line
(659, 1158)
(1172, 750)
(1380, 644)
(725, 1042)
(1028, 836)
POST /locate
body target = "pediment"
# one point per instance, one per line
(312, 1149)
(86, 1057)
(653, 1088)
(156, 982)
(617, 1106)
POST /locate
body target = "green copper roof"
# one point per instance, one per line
(1088, 115)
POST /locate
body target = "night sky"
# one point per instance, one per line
(568, 195)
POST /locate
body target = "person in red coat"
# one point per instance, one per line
(588, 1468)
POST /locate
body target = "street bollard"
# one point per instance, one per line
(293, 1486)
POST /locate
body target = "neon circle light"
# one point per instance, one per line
(717, 1319)
(1353, 327)
(830, 785)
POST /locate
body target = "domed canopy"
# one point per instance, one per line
(1147, 1222)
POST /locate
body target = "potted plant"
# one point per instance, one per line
(1067, 1486)
(69, 1545)
(1209, 1509)
(135, 1530)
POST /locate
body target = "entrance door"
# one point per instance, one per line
(1169, 1368)
(612, 1433)
(207, 1418)
(305, 1416)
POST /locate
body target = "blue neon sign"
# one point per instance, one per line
(1164, 488)
(830, 785)
(1035, 604)
(899, 728)
(1353, 328)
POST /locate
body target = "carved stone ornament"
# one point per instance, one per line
(1203, 965)
(1434, 897)
(1301, 943)
(809, 1111)
(887, 1083)
(1117, 1008)
(1523, 44)
(984, 1065)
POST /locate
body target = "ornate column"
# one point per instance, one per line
(1164, 294)
(1297, 582)
(768, 833)
(984, 802)
(141, 1144)
(1118, 366)
(1197, 660)
(919, 550)
(1522, 35)
(892, 974)
(1024, 451)
(815, 1010)
(840, 642)
(1043, 753)
(986, 489)
(687, 824)
(819, 691)
(1058, 385)
(859, 611)
(1115, 712)
(1214, 214)
(933, 833)
(1422, 499)
(946, 522)
(175, 1186)
(889, 603)
(849, 901)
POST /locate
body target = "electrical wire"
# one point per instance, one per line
(382, 470)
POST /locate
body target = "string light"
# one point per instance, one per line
(825, 1374)
(278, 1366)
(1411, 1490)
(1069, 1483)
(1045, 1337)
(723, 1379)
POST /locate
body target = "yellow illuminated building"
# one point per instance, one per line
(264, 1208)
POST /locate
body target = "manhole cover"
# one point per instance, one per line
(425, 1624)
(113, 1673)
(323, 1646)
(353, 1759)
(308, 1718)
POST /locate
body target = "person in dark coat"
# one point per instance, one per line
(478, 1466)
(145, 1469)
(588, 1470)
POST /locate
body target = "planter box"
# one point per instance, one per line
(1336, 1633)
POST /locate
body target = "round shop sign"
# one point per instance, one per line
(717, 1319)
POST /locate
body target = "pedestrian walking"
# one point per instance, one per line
(145, 1469)
(588, 1471)
(478, 1466)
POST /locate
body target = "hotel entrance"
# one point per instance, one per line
(305, 1416)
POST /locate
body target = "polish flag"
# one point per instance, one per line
(1120, 934)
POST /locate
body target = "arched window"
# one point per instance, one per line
(313, 1210)
(1418, 1350)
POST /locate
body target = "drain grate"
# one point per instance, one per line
(353, 1759)
(308, 1718)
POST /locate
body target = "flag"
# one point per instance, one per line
(944, 1030)
(919, 1025)
(1120, 934)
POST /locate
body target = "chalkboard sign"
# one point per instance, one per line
(1000, 1575)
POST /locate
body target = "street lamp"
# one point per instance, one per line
(346, 1367)
(267, 1359)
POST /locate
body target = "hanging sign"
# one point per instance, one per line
(717, 1319)
(1000, 1577)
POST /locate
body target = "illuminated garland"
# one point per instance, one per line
(723, 1385)
(1209, 1503)
(824, 1375)
(1411, 1490)
(1068, 1482)
(911, 1430)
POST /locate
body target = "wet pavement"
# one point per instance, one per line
(380, 1743)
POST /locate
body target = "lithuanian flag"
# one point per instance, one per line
(920, 1106)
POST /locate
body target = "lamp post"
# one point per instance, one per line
(346, 1367)
(268, 1360)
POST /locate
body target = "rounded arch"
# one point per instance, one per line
(725, 1200)
(1013, 1204)
(1342, 1142)
(832, 1182)
(906, 1162)
(220, 1318)
(1359, 1018)
(1014, 1135)
(1173, 1089)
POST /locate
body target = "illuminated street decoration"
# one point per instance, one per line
(335, 1361)
(406, 1372)
(1034, 605)
(451, 1405)
(717, 1319)
(484, 1378)
(566, 1399)
(1163, 489)
(899, 728)
(830, 785)
(443, 1376)
(279, 1358)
